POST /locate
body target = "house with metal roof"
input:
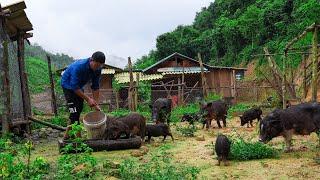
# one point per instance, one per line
(178, 69)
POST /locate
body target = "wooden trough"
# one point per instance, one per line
(108, 145)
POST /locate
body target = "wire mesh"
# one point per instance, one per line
(14, 78)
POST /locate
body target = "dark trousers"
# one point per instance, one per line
(75, 105)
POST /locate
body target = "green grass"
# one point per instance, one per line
(178, 112)
(237, 108)
(38, 78)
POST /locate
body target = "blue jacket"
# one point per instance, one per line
(78, 74)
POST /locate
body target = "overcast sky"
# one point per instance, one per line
(117, 27)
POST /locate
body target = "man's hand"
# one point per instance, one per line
(91, 102)
(97, 108)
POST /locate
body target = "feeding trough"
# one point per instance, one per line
(108, 145)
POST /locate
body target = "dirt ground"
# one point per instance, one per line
(196, 151)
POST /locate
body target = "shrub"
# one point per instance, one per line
(178, 112)
(159, 167)
(236, 109)
(59, 120)
(213, 97)
(120, 112)
(13, 166)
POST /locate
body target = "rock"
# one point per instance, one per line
(200, 138)
(144, 149)
(136, 153)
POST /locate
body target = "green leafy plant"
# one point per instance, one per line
(238, 108)
(81, 164)
(213, 97)
(178, 112)
(244, 150)
(120, 112)
(14, 166)
(187, 131)
(59, 120)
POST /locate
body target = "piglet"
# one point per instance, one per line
(222, 148)
(156, 130)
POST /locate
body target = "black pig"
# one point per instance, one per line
(156, 130)
(222, 148)
(249, 115)
(191, 118)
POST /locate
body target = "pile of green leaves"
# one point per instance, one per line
(81, 164)
(160, 166)
(243, 150)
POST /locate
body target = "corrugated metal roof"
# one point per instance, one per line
(108, 71)
(125, 77)
(191, 59)
(181, 70)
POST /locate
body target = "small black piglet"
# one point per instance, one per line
(222, 148)
(156, 130)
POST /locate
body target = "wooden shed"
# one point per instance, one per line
(14, 93)
(180, 71)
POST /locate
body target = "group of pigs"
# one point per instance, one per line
(134, 124)
(301, 119)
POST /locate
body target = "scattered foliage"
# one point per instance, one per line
(187, 131)
(160, 166)
(81, 164)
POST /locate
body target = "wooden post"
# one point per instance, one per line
(182, 82)
(203, 78)
(53, 96)
(255, 90)
(304, 76)
(117, 98)
(314, 64)
(24, 80)
(130, 92)
(6, 118)
(284, 104)
(234, 85)
(179, 91)
(136, 90)
(218, 89)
